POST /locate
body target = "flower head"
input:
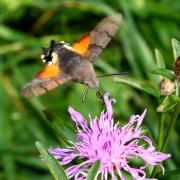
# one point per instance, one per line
(112, 145)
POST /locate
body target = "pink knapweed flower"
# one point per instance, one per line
(112, 145)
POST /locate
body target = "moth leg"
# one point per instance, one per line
(100, 96)
(85, 94)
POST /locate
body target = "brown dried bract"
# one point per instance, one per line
(177, 68)
(167, 87)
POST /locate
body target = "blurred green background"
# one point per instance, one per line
(28, 25)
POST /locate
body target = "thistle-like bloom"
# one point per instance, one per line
(114, 146)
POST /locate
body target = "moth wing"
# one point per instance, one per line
(39, 86)
(102, 34)
(81, 46)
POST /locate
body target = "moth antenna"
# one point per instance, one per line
(112, 74)
(52, 43)
(85, 94)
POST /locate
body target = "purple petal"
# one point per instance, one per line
(133, 119)
(138, 174)
(109, 105)
(72, 170)
(137, 118)
(68, 159)
(140, 119)
(153, 158)
(81, 174)
(60, 151)
(63, 155)
(78, 118)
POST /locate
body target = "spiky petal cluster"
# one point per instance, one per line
(112, 145)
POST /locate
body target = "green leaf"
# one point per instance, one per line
(159, 59)
(93, 170)
(164, 72)
(139, 84)
(53, 165)
(168, 174)
(168, 103)
(176, 48)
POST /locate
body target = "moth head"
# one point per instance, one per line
(50, 55)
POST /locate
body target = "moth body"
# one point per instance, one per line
(72, 64)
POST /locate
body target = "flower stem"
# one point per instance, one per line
(160, 139)
(161, 131)
(171, 126)
(162, 146)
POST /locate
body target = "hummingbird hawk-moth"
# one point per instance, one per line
(65, 62)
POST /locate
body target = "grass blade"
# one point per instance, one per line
(176, 48)
(139, 84)
(159, 59)
(164, 72)
(54, 167)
